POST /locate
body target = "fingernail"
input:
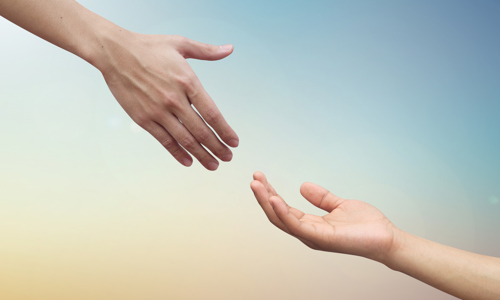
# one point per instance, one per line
(212, 166)
(226, 47)
(233, 143)
(227, 157)
(187, 162)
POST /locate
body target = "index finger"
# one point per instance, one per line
(262, 197)
(211, 114)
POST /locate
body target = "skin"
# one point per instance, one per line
(148, 75)
(357, 228)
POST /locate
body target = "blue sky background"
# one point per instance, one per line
(395, 103)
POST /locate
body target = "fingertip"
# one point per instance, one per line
(227, 48)
(228, 157)
(254, 185)
(309, 189)
(258, 175)
(187, 162)
(305, 187)
(233, 143)
(212, 166)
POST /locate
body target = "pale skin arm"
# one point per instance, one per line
(355, 227)
(148, 75)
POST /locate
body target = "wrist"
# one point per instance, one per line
(97, 47)
(399, 249)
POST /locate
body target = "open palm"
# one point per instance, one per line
(351, 226)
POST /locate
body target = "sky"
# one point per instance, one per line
(395, 103)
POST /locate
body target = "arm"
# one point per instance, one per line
(355, 227)
(460, 273)
(148, 74)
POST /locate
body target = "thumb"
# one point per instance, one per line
(193, 49)
(320, 197)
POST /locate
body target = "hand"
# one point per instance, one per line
(351, 226)
(153, 82)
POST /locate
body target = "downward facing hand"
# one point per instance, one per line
(153, 82)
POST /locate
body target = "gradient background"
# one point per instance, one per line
(396, 103)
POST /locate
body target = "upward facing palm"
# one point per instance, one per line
(351, 226)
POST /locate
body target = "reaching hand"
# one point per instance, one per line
(153, 82)
(351, 226)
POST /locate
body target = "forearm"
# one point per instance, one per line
(460, 273)
(64, 23)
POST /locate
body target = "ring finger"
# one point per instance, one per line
(203, 134)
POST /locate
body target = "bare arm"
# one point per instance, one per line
(460, 273)
(355, 227)
(148, 74)
(66, 24)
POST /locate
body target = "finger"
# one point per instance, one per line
(262, 197)
(193, 49)
(188, 142)
(320, 197)
(262, 178)
(210, 113)
(203, 134)
(291, 221)
(159, 133)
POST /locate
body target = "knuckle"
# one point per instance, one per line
(192, 92)
(203, 135)
(210, 48)
(155, 114)
(168, 143)
(171, 102)
(188, 143)
(176, 152)
(185, 81)
(213, 116)
(178, 39)
(142, 120)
